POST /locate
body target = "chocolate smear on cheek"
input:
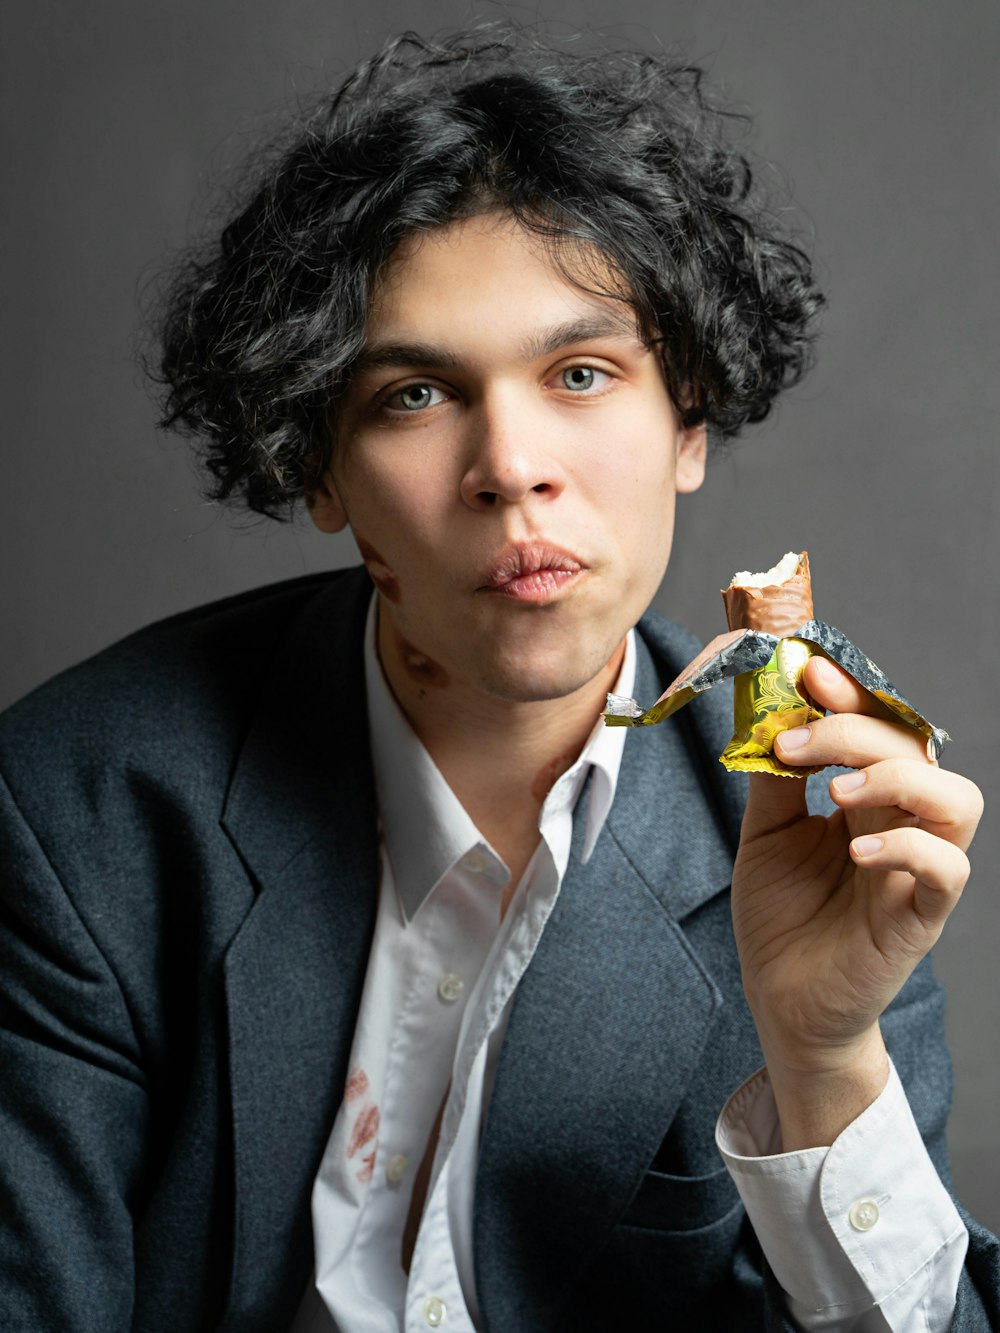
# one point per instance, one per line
(419, 667)
(546, 777)
(381, 575)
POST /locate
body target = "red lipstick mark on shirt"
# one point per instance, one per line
(365, 1126)
(367, 1167)
(546, 777)
(356, 1086)
(419, 667)
(381, 575)
(365, 1129)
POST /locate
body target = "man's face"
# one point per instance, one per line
(508, 458)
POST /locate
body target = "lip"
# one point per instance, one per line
(532, 573)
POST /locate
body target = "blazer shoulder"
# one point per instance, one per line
(668, 641)
(183, 685)
(705, 724)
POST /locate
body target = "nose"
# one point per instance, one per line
(511, 455)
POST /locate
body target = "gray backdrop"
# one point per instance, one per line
(118, 117)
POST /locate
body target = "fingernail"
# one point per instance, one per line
(867, 846)
(849, 781)
(794, 739)
(825, 668)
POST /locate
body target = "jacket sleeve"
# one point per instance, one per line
(73, 1106)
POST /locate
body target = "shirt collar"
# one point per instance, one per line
(425, 828)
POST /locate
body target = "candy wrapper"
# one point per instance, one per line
(766, 651)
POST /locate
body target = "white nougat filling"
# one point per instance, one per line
(784, 569)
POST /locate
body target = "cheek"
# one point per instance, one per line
(647, 533)
(641, 504)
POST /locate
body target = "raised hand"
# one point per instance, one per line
(833, 913)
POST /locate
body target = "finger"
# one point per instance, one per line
(852, 740)
(836, 690)
(947, 805)
(772, 803)
(939, 868)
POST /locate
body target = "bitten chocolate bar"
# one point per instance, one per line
(777, 607)
(772, 635)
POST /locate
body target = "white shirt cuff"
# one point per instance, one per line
(861, 1235)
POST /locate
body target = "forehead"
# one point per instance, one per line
(489, 276)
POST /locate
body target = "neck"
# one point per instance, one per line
(499, 756)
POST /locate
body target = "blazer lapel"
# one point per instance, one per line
(302, 814)
(607, 1027)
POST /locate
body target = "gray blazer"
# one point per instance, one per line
(187, 891)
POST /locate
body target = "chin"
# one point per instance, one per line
(528, 680)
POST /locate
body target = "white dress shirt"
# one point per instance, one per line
(441, 973)
(442, 970)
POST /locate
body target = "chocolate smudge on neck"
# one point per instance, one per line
(418, 666)
(546, 777)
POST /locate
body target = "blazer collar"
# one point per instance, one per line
(306, 759)
(677, 815)
(301, 815)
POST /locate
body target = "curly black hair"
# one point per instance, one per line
(621, 151)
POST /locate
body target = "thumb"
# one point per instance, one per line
(773, 803)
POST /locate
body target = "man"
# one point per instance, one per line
(354, 976)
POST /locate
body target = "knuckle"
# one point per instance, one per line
(907, 841)
(851, 735)
(977, 803)
(934, 861)
(836, 734)
(954, 879)
(897, 774)
(963, 878)
(967, 804)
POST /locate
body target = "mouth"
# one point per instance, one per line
(533, 573)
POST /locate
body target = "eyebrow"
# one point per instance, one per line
(612, 324)
(381, 355)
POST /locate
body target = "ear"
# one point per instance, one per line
(689, 468)
(324, 505)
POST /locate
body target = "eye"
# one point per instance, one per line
(414, 398)
(580, 379)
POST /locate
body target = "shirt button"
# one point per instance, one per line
(863, 1215)
(476, 859)
(395, 1168)
(450, 987)
(434, 1311)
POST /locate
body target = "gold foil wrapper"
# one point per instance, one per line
(766, 701)
(769, 695)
